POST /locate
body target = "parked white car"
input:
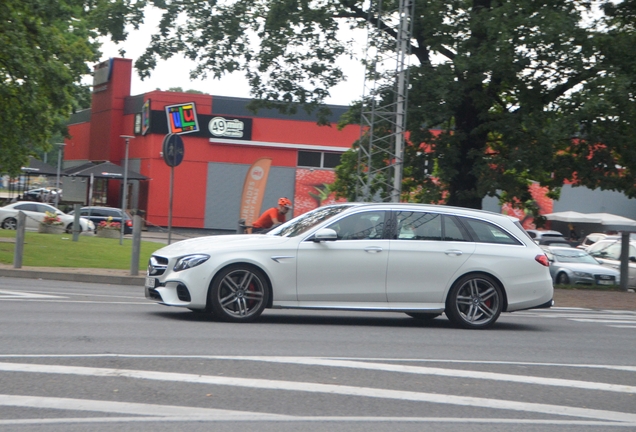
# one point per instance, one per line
(608, 253)
(35, 213)
(422, 260)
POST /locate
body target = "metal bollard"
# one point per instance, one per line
(136, 245)
(19, 240)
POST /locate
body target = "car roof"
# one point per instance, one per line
(431, 207)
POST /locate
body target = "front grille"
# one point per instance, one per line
(157, 265)
(605, 279)
(183, 293)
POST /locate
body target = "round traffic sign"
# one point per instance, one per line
(173, 149)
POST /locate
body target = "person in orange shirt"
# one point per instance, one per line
(272, 217)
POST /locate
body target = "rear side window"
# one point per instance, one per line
(428, 226)
(27, 207)
(485, 232)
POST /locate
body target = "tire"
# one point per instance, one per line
(425, 316)
(239, 293)
(562, 279)
(475, 301)
(10, 223)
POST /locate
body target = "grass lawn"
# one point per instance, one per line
(59, 250)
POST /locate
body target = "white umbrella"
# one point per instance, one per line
(573, 217)
(610, 219)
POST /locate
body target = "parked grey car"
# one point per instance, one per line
(575, 266)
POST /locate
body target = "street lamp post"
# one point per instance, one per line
(125, 188)
(59, 165)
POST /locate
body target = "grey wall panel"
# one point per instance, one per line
(584, 200)
(223, 195)
(224, 187)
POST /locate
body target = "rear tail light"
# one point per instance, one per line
(543, 260)
(128, 223)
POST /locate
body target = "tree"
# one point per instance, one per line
(45, 48)
(516, 91)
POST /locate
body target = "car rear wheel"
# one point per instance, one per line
(474, 302)
(562, 279)
(10, 223)
(426, 316)
(239, 293)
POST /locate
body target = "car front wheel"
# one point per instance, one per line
(562, 279)
(10, 223)
(474, 302)
(238, 293)
(69, 229)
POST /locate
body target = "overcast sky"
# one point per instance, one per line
(175, 72)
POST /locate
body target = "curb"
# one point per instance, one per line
(73, 277)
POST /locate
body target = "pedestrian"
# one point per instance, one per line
(272, 217)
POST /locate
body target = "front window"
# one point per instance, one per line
(307, 221)
(571, 256)
(360, 226)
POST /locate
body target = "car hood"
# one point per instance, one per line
(221, 242)
(588, 268)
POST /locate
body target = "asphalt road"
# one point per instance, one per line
(78, 356)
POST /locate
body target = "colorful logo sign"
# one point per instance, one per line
(145, 118)
(182, 118)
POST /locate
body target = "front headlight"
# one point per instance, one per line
(190, 261)
(584, 275)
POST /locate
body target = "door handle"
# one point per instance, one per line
(455, 252)
(373, 249)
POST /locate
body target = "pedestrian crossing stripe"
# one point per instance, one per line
(22, 295)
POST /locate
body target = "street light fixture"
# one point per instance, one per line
(59, 165)
(125, 188)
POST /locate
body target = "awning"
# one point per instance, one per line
(37, 167)
(106, 170)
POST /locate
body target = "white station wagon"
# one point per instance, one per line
(422, 260)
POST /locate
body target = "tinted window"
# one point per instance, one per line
(331, 160)
(360, 226)
(428, 226)
(309, 159)
(27, 207)
(485, 232)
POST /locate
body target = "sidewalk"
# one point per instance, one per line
(581, 298)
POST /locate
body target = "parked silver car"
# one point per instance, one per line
(575, 266)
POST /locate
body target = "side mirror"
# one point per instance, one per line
(325, 234)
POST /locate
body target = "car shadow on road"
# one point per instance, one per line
(340, 319)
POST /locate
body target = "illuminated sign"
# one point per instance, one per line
(224, 128)
(182, 118)
(145, 118)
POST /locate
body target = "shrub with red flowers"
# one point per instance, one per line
(51, 218)
(109, 224)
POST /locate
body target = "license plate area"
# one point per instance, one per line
(151, 282)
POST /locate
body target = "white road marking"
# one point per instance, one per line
(623, 326)
(22, 295)
(557, 410)
(382, 359)
(616, 321)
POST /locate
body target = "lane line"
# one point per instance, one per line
(453, 373)
(558, 410)
(364, 359)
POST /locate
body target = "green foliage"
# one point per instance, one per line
(45, 47)
(516, 91)
(59, 250)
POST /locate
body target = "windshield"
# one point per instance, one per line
(573, 256)
(308, 220)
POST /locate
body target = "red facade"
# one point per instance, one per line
(210, 177)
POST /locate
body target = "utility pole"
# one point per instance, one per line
(385, 99)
